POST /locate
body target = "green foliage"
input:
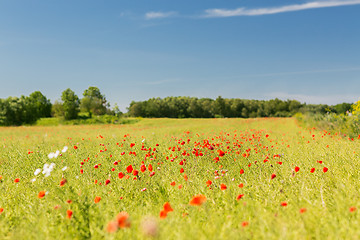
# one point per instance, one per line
(94, 102)
(70, 104)
(191, 107)
(24, 110)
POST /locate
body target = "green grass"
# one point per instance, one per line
(326, 196)
(105, 119)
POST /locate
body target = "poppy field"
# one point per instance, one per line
(179, 179)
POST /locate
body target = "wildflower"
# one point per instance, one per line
(41, 194)
(107, 181)
(143, 190)
(97, 199)
(239, 196)
(273, 176)
(297, 169)
(123, 220)
(64, 149)
(37, 171)
(312, 170)
(1, 210)
(167, 207)
(163, 214)
(241, 171)
(325, 169)
(121, 175)
(284, 204)
(245, 224)
(69, 214)
(172, 184)
(302, 210)
(352, 209)
(17, 180)
(47, 169)
(208, 183)
(198, 200)
(64, 168)
(56, 154)
(75, 147)
(62, 182)
(129, 169)
(223, 186)
(112, 227)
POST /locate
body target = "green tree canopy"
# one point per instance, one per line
(70, 104)
(93, 102)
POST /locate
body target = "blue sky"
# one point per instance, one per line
(135, 50)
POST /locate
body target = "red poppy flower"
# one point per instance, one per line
(284, 204)
(325, 169)
(123, 220)
(172, 183)
(302, 210)
(17, 180)
(41, 194)
(62, 182)
(107, 181)
(312, 170)
(241, 171)
(221, 153)
(273, 176)
(163, 214)
(97, 199)
(121, 175)
(198, 200)
(208, 183)
(239, 196)
(69, 214)
(167, 207)
(297, 169)
(129, 169)
(223, 186)
(352, 209)
(150, 168)
(75, 147)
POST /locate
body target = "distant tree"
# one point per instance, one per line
(116, 110)
(40, 104)
(342, 108)
(70, 104)
(94, 102)
(57, 109)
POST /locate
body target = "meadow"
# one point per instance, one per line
(264, 178)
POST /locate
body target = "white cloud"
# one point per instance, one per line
(312, 99)
(210, 13)
(157, 15)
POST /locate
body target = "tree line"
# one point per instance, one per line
(28, 109)
(192, 107)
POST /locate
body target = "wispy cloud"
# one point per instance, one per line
(217, 12)
(157, 15)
